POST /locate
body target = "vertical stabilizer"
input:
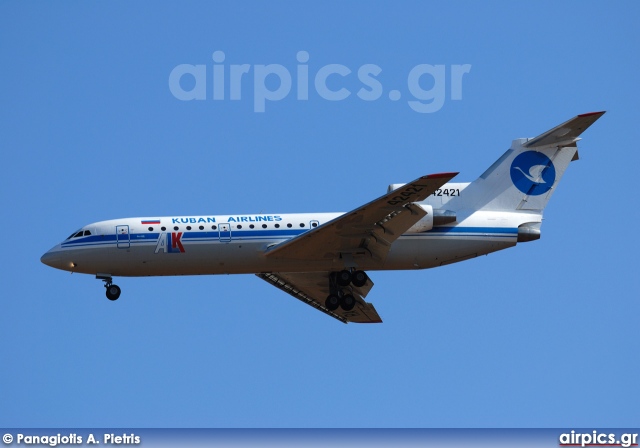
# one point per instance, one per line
(526, 176)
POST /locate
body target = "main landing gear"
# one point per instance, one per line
(340, 297)
(113, 291)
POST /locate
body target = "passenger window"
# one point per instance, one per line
(301, 224)
(239, 226)
(289, 225)
(264, 226)
(277, 226)
(163, 228)
(150, 229)
(175, 228)
(201, 227)
(188, 227)
(213, 227)
(251, 226)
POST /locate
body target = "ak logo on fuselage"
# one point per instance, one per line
(533, 173)
(170, 243)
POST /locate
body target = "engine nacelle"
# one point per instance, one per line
(426, 223)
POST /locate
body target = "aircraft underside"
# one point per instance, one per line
(342, 281)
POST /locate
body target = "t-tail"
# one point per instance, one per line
(525, 177)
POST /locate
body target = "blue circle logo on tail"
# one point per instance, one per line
(533, 173)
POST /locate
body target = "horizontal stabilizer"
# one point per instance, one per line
(566, 133)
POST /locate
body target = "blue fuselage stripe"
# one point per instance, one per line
(259, 234)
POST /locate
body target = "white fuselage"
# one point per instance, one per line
(236, 244)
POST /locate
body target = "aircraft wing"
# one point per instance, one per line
(566, 133)
(367, 231)
(312, 288)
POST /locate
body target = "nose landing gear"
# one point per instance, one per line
(113, 291)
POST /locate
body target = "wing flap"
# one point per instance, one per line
(312, 288)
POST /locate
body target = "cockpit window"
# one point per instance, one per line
(79, 233)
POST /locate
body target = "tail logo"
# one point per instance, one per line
(533, 173)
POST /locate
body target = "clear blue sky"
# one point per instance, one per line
(544, 334)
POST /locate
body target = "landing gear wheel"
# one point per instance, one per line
(343, 278)
(347, 302)
(359, 279)
(113, 292)
(332, 303)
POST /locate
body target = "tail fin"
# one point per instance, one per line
(526, 176)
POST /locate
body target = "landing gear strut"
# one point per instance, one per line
(113, 291)
(341, 295)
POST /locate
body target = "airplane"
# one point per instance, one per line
(322, 259)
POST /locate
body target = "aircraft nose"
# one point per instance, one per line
(50, 259)
(58, 258)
